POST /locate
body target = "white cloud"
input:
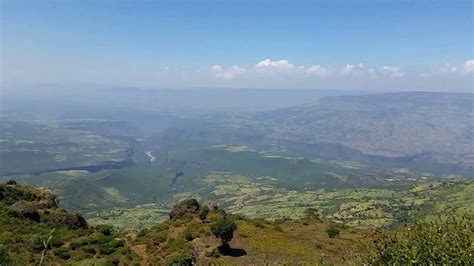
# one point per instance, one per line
(227, 73)
(277, 64)
(353, 70)
(468, 66)
(459, 69)
(448, 68)
(317, 70)
(391, 71)
(361, 70)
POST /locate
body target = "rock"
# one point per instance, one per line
(62, 218)
(12, 182)
(27, 209)
(190, 206)
(48, 202)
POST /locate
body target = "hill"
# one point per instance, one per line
(36, 231)
(434, 125)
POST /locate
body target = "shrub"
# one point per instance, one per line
(160, 237)
(4, 256)
(177, 245)
(105, 229)
(63, 253)
(332, 232)
(89, 250)
(75, 245)
(188, 236)
(224, 229)
(441, 242)
(203, 213)
(100, 239)
(181, 260)
(56, 241)
(110, 247)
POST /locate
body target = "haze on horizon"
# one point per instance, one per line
(391, 46)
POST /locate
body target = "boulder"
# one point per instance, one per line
(27, 209)
(190, 206)
(62, 218)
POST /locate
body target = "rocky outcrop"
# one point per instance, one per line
(27, 209)
(183, 208)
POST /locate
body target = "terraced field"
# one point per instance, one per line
(34, 147)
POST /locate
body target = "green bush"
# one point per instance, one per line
(89, 250)
(4, 256)
(181, 260)
(333, 232)
(75, 245)
(105, 229)
(63, 253)
(447, 241)
(110, 247)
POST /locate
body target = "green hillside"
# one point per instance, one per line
(35, 231)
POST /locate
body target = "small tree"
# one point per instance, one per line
(332, 232)
(224, 229)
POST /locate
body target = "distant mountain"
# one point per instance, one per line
(437, 125)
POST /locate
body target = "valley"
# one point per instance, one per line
(115, 176)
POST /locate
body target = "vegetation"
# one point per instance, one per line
(58, 237)
(224, 229)
(447, 241)
(332, 232)
(186, 238)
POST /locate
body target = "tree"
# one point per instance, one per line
(224, 229)
(332, 232)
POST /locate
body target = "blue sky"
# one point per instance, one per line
(398, 45)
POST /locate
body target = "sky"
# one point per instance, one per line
(363, 45)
